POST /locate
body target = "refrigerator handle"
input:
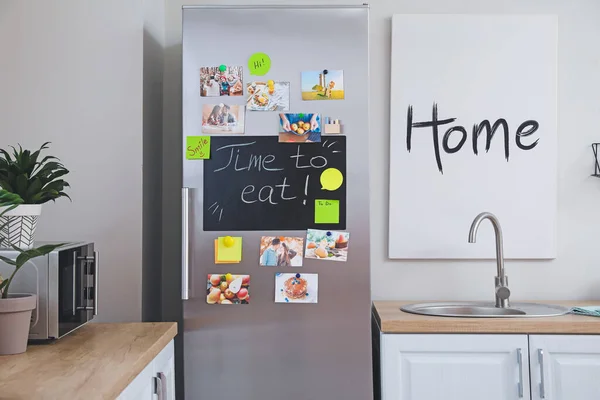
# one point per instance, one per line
(185, 259)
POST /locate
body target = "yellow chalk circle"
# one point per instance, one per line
(331, 179)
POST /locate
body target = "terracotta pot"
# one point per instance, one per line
(20, 227)
(15, 319)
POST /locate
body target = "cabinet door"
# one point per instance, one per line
(164, 369)
(565, 367)
(141, 388)
(465, 367)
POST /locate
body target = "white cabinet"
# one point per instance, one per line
(141, 387)
(164, 374)
(454, 367)
(490, 367)
(156, 381)
(565, 367)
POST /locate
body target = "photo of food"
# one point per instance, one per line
(268, 96)
(323, 85)
(223, 118)
(281, 251)
(296, 288)
(227, 289)
(327, 245)
(299, 128)
(221, 81)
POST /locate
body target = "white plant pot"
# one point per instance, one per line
(20, 230)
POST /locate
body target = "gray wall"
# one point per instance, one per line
(573, 275)
(71, 73)
(154, 54)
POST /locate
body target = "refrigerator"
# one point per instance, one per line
(268, 350)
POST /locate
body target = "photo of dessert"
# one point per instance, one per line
(296, 288)
(327, 245)
(268, 96)
(228, 289)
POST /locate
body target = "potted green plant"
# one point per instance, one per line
(16, 308)
(36, 181)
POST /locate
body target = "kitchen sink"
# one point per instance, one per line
(471, 309)
(502, 307)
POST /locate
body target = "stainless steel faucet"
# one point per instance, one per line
(501, 281)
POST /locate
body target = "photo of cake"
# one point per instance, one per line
(341, 242)
(327, 245)
(296, 288)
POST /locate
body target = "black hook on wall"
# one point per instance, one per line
(596, 162)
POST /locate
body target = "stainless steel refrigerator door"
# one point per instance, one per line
(266, 350)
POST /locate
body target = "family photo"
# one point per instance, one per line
(281, 251)
(221, 81)
(222, 118)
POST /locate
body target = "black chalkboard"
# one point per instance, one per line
(257, 183)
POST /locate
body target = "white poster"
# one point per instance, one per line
(473, 129)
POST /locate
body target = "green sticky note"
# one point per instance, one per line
(259, 64)
(197, 147)
(229, 254)
(327, 211)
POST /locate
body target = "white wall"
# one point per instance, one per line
(575, 274)
(71, 73)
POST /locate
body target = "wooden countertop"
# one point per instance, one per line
(392, 320)
(97, 361)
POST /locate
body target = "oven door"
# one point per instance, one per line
(77, 287)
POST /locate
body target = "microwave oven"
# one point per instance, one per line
(66, 283)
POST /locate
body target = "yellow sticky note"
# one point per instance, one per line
(217, 255)
(331, 179)
(229, 254)
(327, 211)
(197, 147)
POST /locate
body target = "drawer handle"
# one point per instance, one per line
(542, 382)
(74, 283)
(520, 363)
(159, 386)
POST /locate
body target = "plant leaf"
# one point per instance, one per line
(58, 173)
(7, 156)
(63, 194)
(35, 186)
(5, 185)
(27, 255)
(8, 260)
(3, 284)
(35, 181)
(8, 198)
(21, 185)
